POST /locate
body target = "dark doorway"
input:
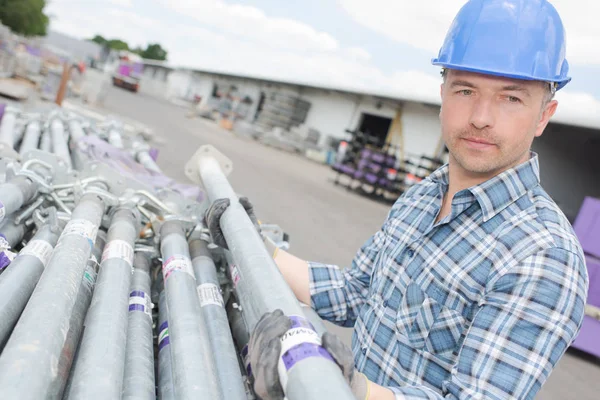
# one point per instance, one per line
(376, 127)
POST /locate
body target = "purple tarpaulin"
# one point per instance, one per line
(587, 228)
(122, 161)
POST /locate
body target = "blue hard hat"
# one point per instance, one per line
(522, 39)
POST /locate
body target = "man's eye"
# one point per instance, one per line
(465, 92)
(514, 99)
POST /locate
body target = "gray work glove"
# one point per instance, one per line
(212, 218)
(264, 350)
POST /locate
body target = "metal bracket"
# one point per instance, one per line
(206, 151)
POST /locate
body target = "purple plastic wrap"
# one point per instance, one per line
(97, 149)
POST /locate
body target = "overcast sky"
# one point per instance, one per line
(383, 45)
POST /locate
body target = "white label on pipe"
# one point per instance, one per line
(178, 263)
(235, 274)
(118, 249)
(140, 301)
(40, 249)
(83, 228)
(209, 293)
(2, 212)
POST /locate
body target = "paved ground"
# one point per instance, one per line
(325, 222)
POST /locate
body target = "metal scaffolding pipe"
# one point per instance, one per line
(59, 141)
(84, 298)
(193, 363)
(165, 371)
(12, 232)
(138, 383)
(7, 127)
(46, 140)
(28, 364)
(18, 282)
(115, 139)
(101, 360)
(31, 138)
(75, 130)
(211, 303)
(143, 157)
(261, 288)
(15, 193)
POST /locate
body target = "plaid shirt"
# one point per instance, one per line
(480, 305)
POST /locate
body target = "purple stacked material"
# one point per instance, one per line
(347, 169)
(358, 174)
(378, 157)
(587, 228)
(153, 153)
(2, 108)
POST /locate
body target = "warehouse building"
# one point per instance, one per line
(569, 149)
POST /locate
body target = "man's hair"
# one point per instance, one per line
(548, 96)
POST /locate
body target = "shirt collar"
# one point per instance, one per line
(497, 193)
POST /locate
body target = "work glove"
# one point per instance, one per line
(264, 350)
(212, 218)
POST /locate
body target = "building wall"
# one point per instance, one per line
(569, 165)
(421, 128)
(154, 81)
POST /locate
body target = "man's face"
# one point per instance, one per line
(489, 122)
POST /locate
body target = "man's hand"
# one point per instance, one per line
(265, 351)
(212, 218)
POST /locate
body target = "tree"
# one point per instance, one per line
(25, 17)
(154, 51)
(99, 39)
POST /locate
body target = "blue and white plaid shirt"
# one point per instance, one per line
(480, 305)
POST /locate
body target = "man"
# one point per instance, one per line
(475, 285)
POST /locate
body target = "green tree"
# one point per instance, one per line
(99, 39)
(154, 51)
(118, 44)
(25, 17)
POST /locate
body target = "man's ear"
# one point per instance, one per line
(547, 113)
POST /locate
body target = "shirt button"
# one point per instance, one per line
(364, 351)
(385, 303)
(410, 253)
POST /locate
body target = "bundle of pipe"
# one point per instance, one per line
(80, 253)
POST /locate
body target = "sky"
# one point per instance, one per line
(384, 46)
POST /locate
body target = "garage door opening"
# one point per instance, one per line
(375, 126)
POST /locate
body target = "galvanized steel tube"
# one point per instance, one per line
(29, 362)
(165, 366)
(101, 360)
(84, 297)
(31, 139)
(59, 140)
(211, 303)
(46, 140)
(143, 157)
(18, 282)
(7, 127)
(138, 383)
(194, 373)
(12, 232)
(261, 287)
(15, 193)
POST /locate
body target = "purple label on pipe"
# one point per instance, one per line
(137, 293)
(303, 351)
(163, 326)
(4, 261)
(246, 359)
(164, 342)
(137, 307)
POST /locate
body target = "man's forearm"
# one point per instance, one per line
(295, 273)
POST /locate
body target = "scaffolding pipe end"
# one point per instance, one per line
(206, 153)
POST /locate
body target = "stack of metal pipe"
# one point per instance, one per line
(111, 288)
